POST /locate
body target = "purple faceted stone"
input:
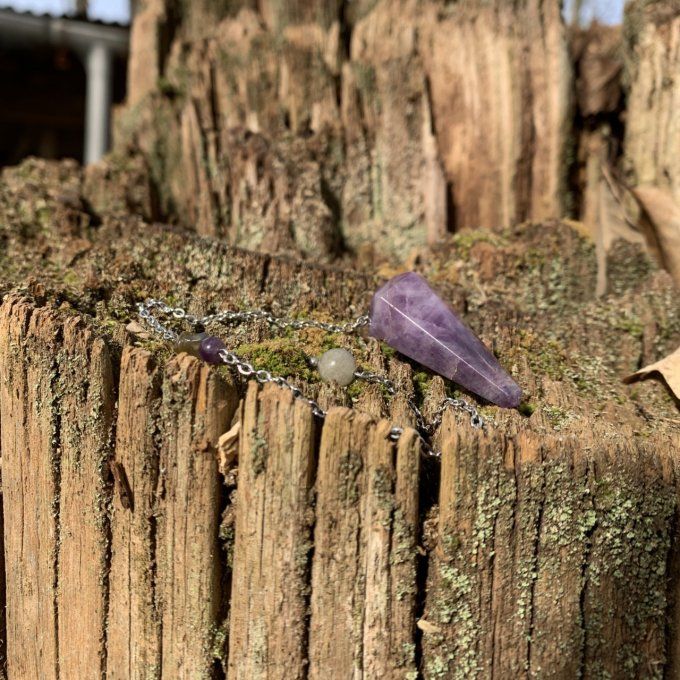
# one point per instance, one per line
(210, 349)
(409, 316)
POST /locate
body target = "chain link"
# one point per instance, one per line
(283, 322)
(426, 429)
(247, 370)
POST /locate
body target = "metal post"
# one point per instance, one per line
(99, 72)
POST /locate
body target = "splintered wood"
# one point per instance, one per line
(273, 542)
(327, 589)
(122, 560)
(134, 622)
(56, 410)
(363, 574)
(549, 558)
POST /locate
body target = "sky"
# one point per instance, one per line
(605, 11)
(104, 10)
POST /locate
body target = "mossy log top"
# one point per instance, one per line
(545, 547)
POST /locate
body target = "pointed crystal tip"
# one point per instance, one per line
(409, 316)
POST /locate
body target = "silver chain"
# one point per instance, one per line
(282, 322)
(247, 370)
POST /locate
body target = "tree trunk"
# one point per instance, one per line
(138, 543)
(379, 126)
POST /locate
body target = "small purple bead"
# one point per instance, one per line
(210, 349)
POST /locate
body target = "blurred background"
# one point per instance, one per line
(63, 66)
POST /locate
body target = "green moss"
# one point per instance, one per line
(168, 88)
(356, 389)
(629, 556)
(466, 239)
(350, 467)
(527, 409)
(366, 77)
(259, 454)
(421, 383)
(281, 356)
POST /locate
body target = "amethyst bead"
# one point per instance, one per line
(210, 349)
(410, 317)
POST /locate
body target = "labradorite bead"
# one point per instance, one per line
(337, 365)
(190, 343)
(211, 346)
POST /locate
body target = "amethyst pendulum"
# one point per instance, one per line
(410, 317)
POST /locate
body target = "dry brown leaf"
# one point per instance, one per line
(645, 214)
(668, 368)
(661, 222)
(227, 448)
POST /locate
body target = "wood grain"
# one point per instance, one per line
(538, 556)
(197, 407)
(272, 552)
(134, 628)
(56, 408)
(86, 406)
(29, 489)
(364, 530)
(652, 130)
(481, 142)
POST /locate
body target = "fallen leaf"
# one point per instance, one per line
(668, 368)
(660, 220)
(227, 448)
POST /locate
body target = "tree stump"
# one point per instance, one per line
(162, 518)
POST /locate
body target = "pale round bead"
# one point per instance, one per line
(337, 365)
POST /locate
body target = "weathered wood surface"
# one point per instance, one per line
(553, 554)
(134, 644)
(363, 574)
(273, 538)
(377, 127)
(134, 547)
(557, 532)
(652, 126)
(585, 528)
(57, 409)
